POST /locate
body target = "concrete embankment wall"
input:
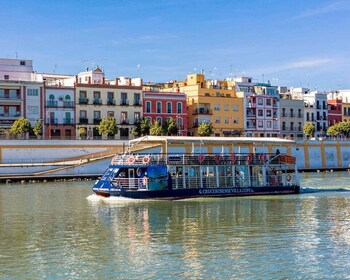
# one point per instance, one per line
(40, 158)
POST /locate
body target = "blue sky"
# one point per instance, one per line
(291, 42)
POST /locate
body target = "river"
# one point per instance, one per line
(60, 231)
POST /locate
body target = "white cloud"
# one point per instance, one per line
(334, 6)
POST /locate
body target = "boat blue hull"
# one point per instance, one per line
(195, 193)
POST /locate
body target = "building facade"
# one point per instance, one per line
(160, 106)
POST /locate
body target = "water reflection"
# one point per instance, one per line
(57, 233)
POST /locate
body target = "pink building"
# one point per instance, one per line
(334, 111)
(160, 106)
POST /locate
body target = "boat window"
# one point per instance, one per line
(110, 173)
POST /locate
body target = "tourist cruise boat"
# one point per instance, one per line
(144, 174)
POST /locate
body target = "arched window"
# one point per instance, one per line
(159, 107)
(168, 107)
(179, 107)
(159, 120)
(67, 97)
(148, 107)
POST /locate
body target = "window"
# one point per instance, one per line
(180, 123)
(6, 77)
(216, 107)
(159, 107)
(268, 102)
(268, 113)
(226, 107)
(82, 94)
(148, 107)
(235, 108)
(67, 97)
(159, 120)
(260, 124)
(168, 107)
(124, 98)
(260, 101)
(260, 113)
(33, 110)
(217, 119)
(110, 114)
(97, 114)
(268, 124)
(283, 125)
(137, 99)
(235, 120)
(82, 114)
(22, 63)
(226, 120)
(179, 107)
(32, 92)
(136, 117)
(52, 97)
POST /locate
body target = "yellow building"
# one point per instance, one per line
(215, 102)
(346, 112)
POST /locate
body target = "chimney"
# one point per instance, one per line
(116, 81)
(103, 80)
(128, 81)
(76, 79)
(89, 80)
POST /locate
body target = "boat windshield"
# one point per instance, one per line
(110, 173)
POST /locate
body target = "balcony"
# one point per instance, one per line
(97, 120)
(97, 101)
(68, 121)
(69, 104)
(10, 115)
(51, 103)
(111, 102)
(137, 103)
(124, 122)
(83, 120)
(202, 111)
(52, 121)
(10, 97)
(83, 101)
(124, 102)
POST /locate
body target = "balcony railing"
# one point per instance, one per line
(83, 101)
(97, 101)
(137, 103)
(68, 121)
(83, 120)
(110, 102)
(52, 120)
(124, 102)
(10, 116)
(97, 120)
(123, 122)
(9, 97)
(202, 111)
(68, 104)
(51, 103)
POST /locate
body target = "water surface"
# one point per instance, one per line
(61, 231)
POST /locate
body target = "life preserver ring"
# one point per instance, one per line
(249, 158)
(262, 157)
(289, 178)
(201, 158)
(233, 157)
(145, 159)
(130, 160)
(217, 158)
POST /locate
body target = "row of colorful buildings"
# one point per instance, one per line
(235, 107)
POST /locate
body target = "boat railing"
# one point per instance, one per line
(203, 159)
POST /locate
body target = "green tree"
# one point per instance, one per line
(309, 129)
(141, 128)
(108, 126)
(38, 128)
(341, 128)
(205, 129)
(20, 126)
(170, 127)
(82, 132)
(156, 129)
